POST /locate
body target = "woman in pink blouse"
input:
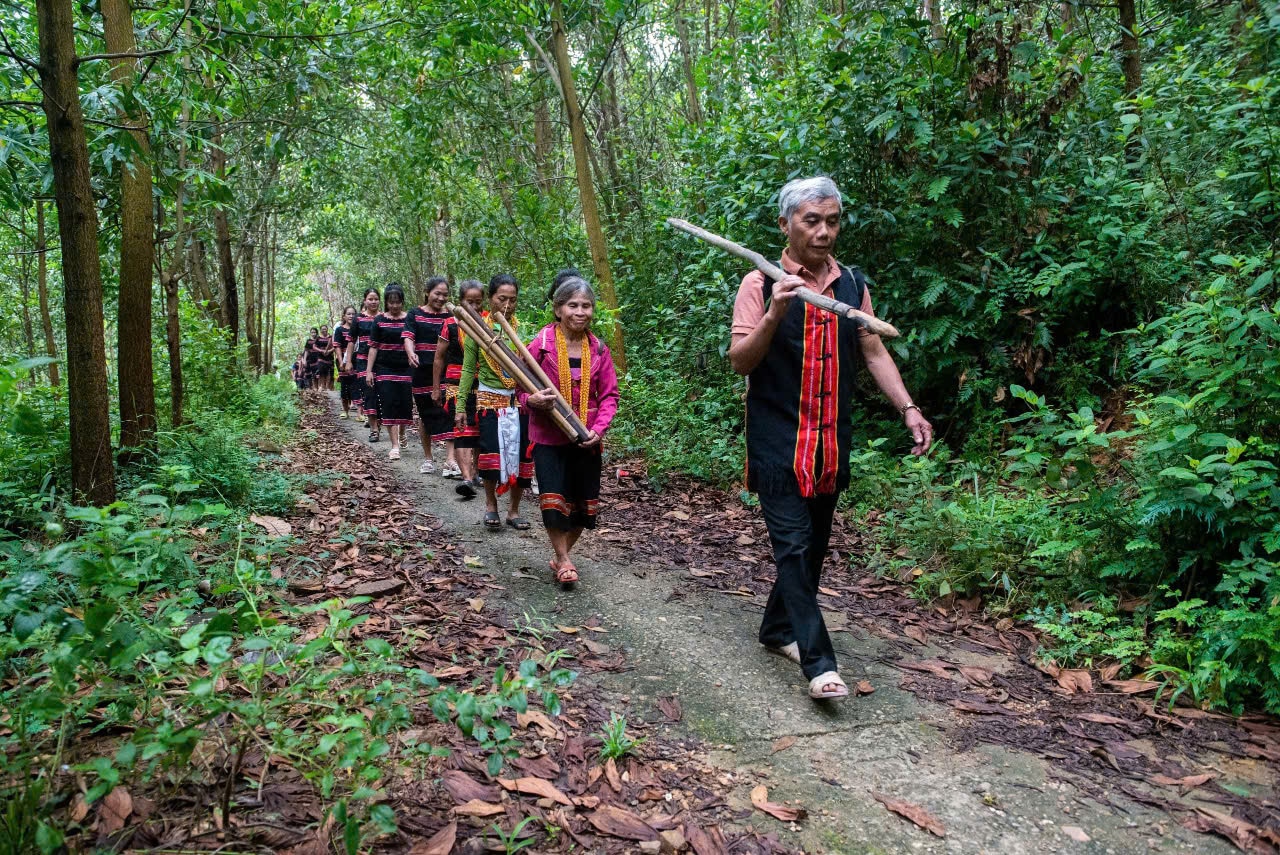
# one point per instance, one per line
(581, 367)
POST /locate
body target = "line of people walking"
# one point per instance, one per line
(400, 367)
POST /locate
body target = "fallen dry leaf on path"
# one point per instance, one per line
(1132, 687)
(915, 633)
(611, 775)
(1075, 680)
(915, 813)
(440, 843)
(476, 807)
(782, 744)
(760, 798)
(705, 841)
(671, 708)
(976, 675)
(1103, 718)
(617, 822)
(864, 687)
(465, 788)
(275, 526)
(535, 787)
(1243, 834)
(1188, 782)
(117, 805)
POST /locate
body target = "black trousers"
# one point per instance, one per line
(799, 530)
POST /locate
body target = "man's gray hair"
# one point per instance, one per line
(570, 288)
(800, 190)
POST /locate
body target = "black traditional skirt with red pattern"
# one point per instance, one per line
(488, 460)
(467, 436)
(352, 387)
(568, 485)
(395, 399)
(437, 421)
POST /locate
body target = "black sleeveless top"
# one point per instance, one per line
(800, 397)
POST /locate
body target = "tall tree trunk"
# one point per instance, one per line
(543, 140)
(582, 167)
(260, 301)
(137, 248)
(228, 297)
(92, 470)
(250, 324)
(200, 288)
(42, 288)
(693, 105)
(170, 274)
(272, 236)
(23, 259)
(1131, 62)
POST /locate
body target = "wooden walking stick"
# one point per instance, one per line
(475, 326)
(774, 272)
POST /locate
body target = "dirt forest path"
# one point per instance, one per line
(997, 753)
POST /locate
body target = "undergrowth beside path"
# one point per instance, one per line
(331, 679)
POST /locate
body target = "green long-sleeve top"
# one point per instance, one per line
(475, 367)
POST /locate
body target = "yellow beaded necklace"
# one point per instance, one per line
(566, 374)
(508, 382)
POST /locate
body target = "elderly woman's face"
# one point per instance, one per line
(576, 313)
(812, 230)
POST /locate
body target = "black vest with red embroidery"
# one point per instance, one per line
(799, 398)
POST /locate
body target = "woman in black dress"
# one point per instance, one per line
(313, 357)
(389, 367)
(343, 336)
(360, 358)
(446, 373)
(324, 362)
(421, 336)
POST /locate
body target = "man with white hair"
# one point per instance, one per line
(801, 363)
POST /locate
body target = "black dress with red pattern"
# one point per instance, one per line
(422, 330)
(391, 371)
(467, 436)
(368, 392)
(346, 377)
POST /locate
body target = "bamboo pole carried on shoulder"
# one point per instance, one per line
(474, 326)
(774, 272)
(564, 407)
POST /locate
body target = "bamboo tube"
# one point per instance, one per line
(565, 407)
(774, 272)
(508, 361)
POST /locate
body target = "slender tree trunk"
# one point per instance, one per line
(693, 105)
(135, 374)
(23, 260)
(200, 288)
(272, 236)
(543, 140)
(1131, 62)
(92, 470)
(229, 298)
(586, 191)
(250, 325)
(42, 288)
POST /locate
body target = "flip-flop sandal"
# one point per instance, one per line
(491, 520)
(787, 651)
(518, 523)
(465, 490)
(818, 687)
(566, 574)
(374, 437)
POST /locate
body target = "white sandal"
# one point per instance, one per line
(394, 454)
(787, 651)
(818, 690)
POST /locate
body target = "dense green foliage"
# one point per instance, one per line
(1083, 265)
